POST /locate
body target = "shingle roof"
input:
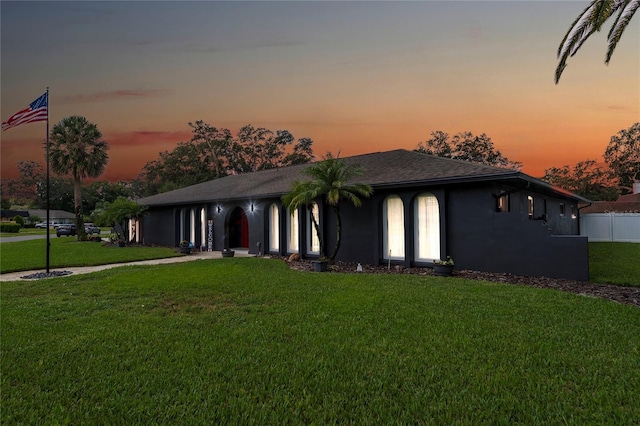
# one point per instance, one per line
(381, 169)
(53, 214)
(612, 206)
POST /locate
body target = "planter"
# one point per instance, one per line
(184, 250)
(228, 253)
(320, 265)
(442, 270)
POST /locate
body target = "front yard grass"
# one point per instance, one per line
(67, 252)
(249, 341)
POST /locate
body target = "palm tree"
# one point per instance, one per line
(332, 179)
(590, 21)
(76, 150)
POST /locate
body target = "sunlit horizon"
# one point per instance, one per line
(356, 77)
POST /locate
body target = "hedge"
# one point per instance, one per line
(10, 227)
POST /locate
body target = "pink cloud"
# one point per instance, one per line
(114, 94)
(146, 138)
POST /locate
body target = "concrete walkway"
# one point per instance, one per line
(16, 276)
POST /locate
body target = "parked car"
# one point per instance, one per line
(68, 230)
(90, 228)
(41, 225)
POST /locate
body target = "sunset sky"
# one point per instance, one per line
(356, 77)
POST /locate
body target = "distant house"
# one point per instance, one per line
(55, 216)
(8, 215)
(629, 203)
(423, 208)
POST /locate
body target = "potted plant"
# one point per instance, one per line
(115, 239)
(443, 268)
(320, 265)
(184, 247)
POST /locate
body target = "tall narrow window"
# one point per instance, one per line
(182, 224)
(393, 222)
(562, 209)
(313, 242)
(292, 231)
(192, 226)
(427, 228)
(503, 203)
(530, 206)
(574, 211)
(203, 227)
(274, 228)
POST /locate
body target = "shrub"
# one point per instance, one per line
(19, 220)
(10, 227)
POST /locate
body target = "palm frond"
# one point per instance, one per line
(588, 22)
(620, 24)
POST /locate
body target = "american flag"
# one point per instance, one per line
(37, 111)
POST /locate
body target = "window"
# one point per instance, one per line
(313, 242)
(203, 227)
(183, 220)
(292, 231)
(274, 228)
(562, 209)
(503, 203)
(427, 227)
(530, 208)
(192, 226)
(574, 211)
(393, 222)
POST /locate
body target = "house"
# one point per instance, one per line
(423, 208)
(629, 203)
(8, 215)
(55, 216)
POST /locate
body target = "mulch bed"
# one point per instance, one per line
(616, 293)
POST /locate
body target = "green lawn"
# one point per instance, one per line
(26, 231)
(68, 251)
(615, 263)
(248, 341)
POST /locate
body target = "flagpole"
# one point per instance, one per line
(48, 192)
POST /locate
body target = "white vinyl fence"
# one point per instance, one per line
(623, 227)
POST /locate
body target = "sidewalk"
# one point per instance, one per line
(16, 276)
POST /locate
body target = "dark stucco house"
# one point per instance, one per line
(423, 208)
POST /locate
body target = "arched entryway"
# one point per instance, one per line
(238, 229)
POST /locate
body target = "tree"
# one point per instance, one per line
(590, 21)
(331, 178)
(213, 153)
(117, 213)
(60, 194)
(587, 178)
(623, 156)
(5, 203)
(104, 191)
(76, 149)
(466, 146)
(23, 189)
